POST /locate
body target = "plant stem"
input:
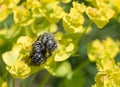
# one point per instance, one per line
(11, 84)
(23, 83)
(10, 81)
(89, 23)
(31, 80)
(81, 66)
(5, 25)
(42, 83)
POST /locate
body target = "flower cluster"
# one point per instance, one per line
(26, 12)
(34, 17)
(69, 47)
(101, 13)
(100, 49)
(103, 53)
(15, 59)
(19, 56)
(108, 75)
(6, 8)
(73, 21)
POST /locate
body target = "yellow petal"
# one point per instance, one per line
(61, 57)
(70, 47)
(9, 57)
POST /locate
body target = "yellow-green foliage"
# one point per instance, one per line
(34, 17)
(3, 83)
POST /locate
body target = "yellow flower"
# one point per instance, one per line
(61, 56)
(16, 58)
(101, 14)
(116, 7)
(58, 12)
(4, 12)
(100, 49)
(102, 80)
(95, 50)
(66, 46)
(6, 7)
(108, 75)
(80, 7)
(48, 10)
(106, 64)
(19, 69)
(25, 41)
(111, 47)
(73, 21)
(22, 16)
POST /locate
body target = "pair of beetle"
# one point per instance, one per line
(42, 48)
